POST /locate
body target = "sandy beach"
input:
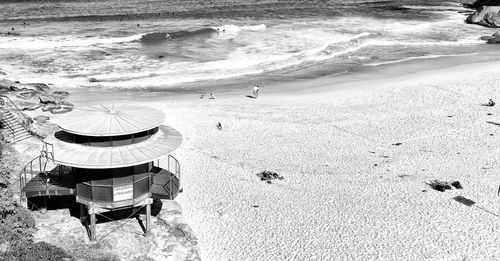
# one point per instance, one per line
(356, 158)
(363, 106)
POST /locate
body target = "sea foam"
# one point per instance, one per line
(36, 43)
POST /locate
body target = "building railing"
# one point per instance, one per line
(140, 186)
(48, 151)
(88, 191)
(174, 167)
(31, 169)
(172, 174)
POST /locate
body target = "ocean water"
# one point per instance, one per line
(195, 45)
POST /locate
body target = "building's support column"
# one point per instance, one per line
(92, 227)
(146, 203)
(82, 212)
(24, 200)
(148, 219)
(92, 211)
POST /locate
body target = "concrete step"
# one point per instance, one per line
(11, 122)
(21, 133)
(21, 129)
(24, 133)
(22, 138)
(16, 123)
(8, 119)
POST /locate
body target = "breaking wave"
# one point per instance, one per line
(419, 58)
(35, 43)
(153, 38)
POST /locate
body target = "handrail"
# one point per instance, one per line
(177, 166)
(23, 179)
(45, 151)
(176, 171)
(25, 121)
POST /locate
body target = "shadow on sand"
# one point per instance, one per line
(470, 203)
(494, 123)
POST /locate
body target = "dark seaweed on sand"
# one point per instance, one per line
(267, 175)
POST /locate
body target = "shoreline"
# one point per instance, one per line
(342, 83)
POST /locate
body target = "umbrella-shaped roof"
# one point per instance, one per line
(111, 120)
(160, 144)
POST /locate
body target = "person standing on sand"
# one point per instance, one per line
(255, 91)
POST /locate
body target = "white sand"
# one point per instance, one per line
(335, 203)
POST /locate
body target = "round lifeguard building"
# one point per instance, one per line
(108, 157)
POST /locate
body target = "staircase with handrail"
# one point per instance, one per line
(13, 119)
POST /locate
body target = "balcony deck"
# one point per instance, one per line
(165, 185)
(38, 186)
(59, 182)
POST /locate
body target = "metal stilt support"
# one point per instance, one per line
(148, 219)
(92, 227)
(82, 212)
(93, 210)
(24, 201)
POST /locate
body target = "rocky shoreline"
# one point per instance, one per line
(32, 96)
(487, 13)
(488, 16)
(36, 101)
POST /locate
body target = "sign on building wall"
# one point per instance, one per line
(123, 192)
